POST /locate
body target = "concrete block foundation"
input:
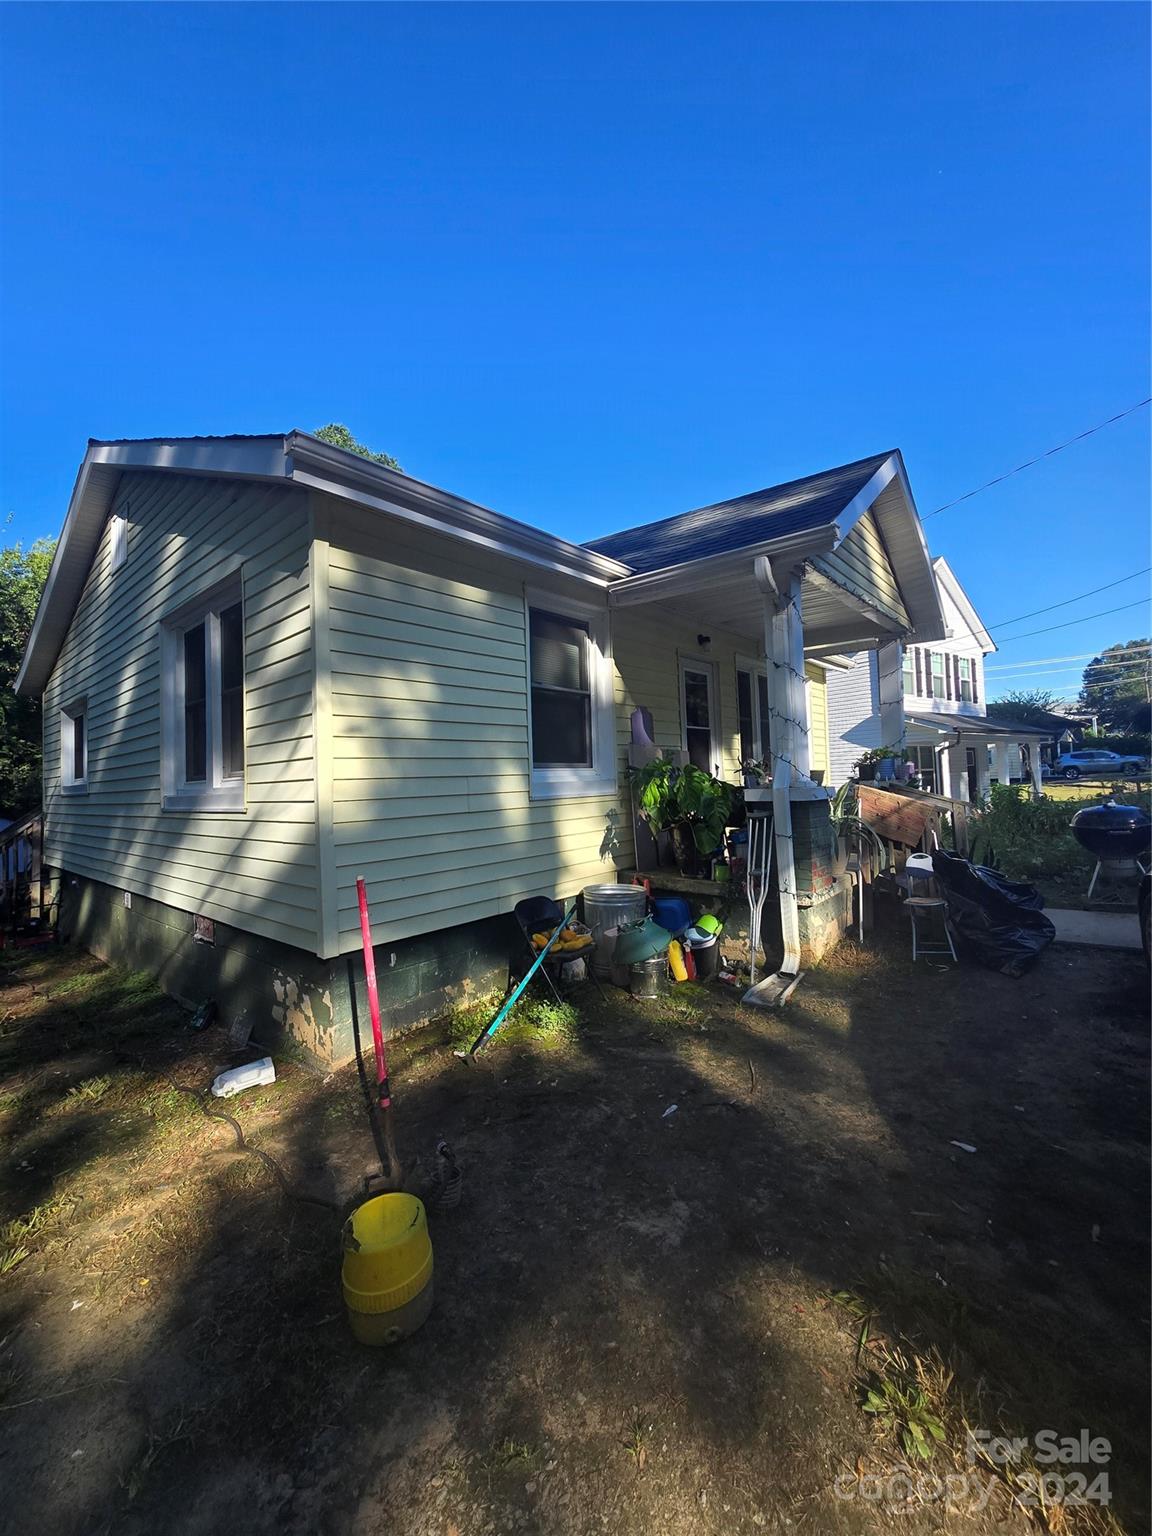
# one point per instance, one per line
(295, 999)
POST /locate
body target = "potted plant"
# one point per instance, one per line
(867, 764)
(757, 773)
(687, 803)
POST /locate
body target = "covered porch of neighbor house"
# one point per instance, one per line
(961, 756)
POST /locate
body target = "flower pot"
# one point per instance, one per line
(866, 773)
(685, 852)
(759, 795)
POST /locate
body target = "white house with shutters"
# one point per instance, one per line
(931, 700)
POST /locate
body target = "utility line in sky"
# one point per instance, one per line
(1059, 448)
(1020, 617)
(1141, 602)
(1043, 661)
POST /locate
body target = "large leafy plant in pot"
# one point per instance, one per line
(687, 803)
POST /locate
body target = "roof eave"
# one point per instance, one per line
(677, 580)
(336, 472)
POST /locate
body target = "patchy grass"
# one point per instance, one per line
(693, 1323)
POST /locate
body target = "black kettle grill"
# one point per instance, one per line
(1118, 836)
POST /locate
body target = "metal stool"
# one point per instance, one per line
(917, 906)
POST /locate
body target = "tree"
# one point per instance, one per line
(1031, 706)
(23, 573)
(1117, 685)
(340, 437)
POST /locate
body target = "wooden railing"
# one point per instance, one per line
(22, 895)
(913, 818)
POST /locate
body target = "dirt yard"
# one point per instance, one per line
(742, 1315)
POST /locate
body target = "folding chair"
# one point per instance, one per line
(533, 915)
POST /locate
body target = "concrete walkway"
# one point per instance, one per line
(1103, 930)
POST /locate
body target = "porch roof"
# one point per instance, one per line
(854, 532)
(947, 721)
(725, 526)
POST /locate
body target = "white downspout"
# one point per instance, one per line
(779, 607)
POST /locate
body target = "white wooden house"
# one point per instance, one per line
(931, 701)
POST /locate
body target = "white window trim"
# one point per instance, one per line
(217, 793)
(686, 661)
(117, 540)
(557, 781)
(70, 784)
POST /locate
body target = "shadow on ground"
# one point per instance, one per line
(645, 1320)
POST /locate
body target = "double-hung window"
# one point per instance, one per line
(964, 665)
(939, 661)
(202, 655)
(570, 698)
(909, 674)
(74, 748)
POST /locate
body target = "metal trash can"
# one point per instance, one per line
(611, 906)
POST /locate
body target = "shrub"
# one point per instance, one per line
(1028, 839)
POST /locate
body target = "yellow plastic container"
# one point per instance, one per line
(387, 1270)
(676, 961)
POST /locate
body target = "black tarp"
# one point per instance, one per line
(995, 922)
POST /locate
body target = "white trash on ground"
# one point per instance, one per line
(252, 1075)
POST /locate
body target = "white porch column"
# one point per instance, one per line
(983, 772)
(1035, 765)
(889, 665)
(951, 761)
(1003, 764)
(787, 694)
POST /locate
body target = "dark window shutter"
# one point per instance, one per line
(947, 675)
(919, 675)
(975, 669)
(956, 678)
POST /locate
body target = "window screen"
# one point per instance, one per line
(232, 690)
(561, 692)
(195, 706)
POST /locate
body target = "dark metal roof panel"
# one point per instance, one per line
(978, 725)
(730, 525)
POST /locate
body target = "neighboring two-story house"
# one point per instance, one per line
(932, 700)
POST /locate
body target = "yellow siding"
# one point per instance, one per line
(817, 719)
(255, 869)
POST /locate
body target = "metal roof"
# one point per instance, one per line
(725, 526)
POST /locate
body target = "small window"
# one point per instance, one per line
(203, 661)
(926, 766)
(570, 698)
(938, 687)
(965, 666)
(117, 540)
(74, 747)
(908, 673)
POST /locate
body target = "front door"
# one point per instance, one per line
(698, 712)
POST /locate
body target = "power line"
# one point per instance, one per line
(1020, 617)
(1089, 672)
(988, 484)
(1141, 602)
(1042, 661)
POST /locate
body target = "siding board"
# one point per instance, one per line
(183, 532)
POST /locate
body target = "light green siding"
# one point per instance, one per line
(255, 869)
(430, 780)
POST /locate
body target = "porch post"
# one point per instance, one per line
(1035, 765)
(890, 681)
(1003, 764)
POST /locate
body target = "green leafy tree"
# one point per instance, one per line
(23, 573)
(340, 437)
(1031, 706)
(1117, 686)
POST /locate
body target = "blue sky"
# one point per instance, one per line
(591, 265)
